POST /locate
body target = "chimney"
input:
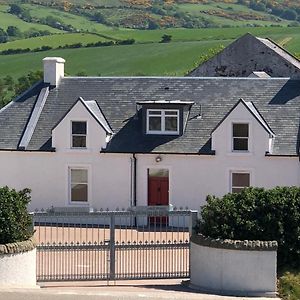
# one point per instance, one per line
(53, 70)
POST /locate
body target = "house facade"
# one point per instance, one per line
(108, 142)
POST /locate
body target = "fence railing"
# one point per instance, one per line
(108, 245)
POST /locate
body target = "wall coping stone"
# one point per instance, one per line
(202, 240)
(18, 247)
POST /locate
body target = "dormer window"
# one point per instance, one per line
(240, 137)
(78, 134)
(162, 121)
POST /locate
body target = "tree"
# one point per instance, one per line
(289, 14)
(3, 36)
(13, 31)
(166, 38)
(26, 81)
(98, 17)
(152, 25)
(15, 9)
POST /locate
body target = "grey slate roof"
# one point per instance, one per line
(277, 100)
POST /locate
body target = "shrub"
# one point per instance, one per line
(15, 222)
(257, 214)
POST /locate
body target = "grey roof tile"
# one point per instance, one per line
(277, 100)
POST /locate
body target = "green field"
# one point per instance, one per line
(139, 59)
(7, 19)
(79, 22)
(53, 41)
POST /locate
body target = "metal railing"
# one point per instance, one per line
(109, 245)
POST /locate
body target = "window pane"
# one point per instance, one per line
(78, 127)
(171, 113)
(78, 141)
(240, 130)
(79, 192)
(240, 144)
(240, 180)
(170, 123)
(79, 176)
(155, 112)
(155, 123)
(158, 172)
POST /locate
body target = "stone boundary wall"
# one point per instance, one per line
(18, 264)
(200, 239)
(18, 247)
(229, 267)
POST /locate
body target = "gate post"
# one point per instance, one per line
(112, 247)
(193, 221)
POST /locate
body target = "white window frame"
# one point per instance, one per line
(85, 135)
(233, 137)
(240, 172)
(163, 115)
(81, 203)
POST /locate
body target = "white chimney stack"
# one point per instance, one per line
(54, 68)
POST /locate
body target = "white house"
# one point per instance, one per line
(108, 142)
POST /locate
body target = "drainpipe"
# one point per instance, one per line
(134, 179)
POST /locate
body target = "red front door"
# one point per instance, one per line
(158, 191)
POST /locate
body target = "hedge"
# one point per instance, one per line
(15, 222)
(257, 214)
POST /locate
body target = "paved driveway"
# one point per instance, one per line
(123, 290)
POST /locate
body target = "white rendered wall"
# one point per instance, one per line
(192, 177)
(233, 271)
(46, 174)
(258, 136)
(18, 270)
(61, 135)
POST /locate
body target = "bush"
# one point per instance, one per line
(15, 222)
(257, 214)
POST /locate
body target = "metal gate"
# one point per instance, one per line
(113, 245)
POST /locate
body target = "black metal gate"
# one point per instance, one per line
(113, 245)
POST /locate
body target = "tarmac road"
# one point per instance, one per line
(129, 290)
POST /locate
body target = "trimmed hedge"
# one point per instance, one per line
(256, 214)
(15, 222)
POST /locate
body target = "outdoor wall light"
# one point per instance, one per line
(158, 158)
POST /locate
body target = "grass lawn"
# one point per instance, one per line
(289, 285)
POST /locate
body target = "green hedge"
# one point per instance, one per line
(15, 222)
(257, 214)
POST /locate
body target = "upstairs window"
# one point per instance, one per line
(239, 181)
(240, 137)
(162, 121)
(78, 134)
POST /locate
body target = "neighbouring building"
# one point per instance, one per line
(108, 142)
(248, 54)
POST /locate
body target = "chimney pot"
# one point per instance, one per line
(53, 70)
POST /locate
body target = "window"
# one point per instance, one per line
(239, 181)
(79, 185)
(78, 134)
(162, 121)
(240, 137)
